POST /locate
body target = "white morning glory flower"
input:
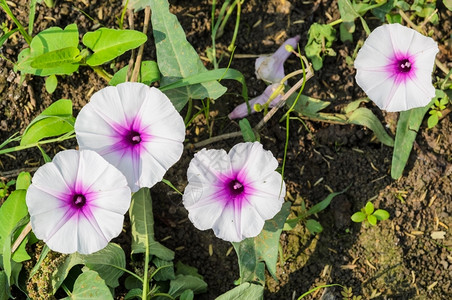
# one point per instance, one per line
(77, 202)
(241, 110)
(394, 67)
(134, 127)
(233, 193)
(271, 68)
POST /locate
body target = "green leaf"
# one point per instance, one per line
(364, 116)
(358, 217)
(89, 285)
(142, 222)
(407, 128)
(381, 214)
(245, 291)
(183, 269)
(307, 106)
(48, 41)
(56, 58)
(177, 59)
(369, 208)
(4, 287)
(247, 131)
(51, 84)
(149, 73)
(352, 106)
(313, 226)
(346, 30)
(186, 282)
(267, 242)
(246, 255)
(448, 4)
(166, 271)
(108, 262)
(347, 11)
(12, 211)
(134, 293)
(108, 43)
(320, 40)
(206, 77)
(324, 203)
(57, 119)
(187, 295)
(381, 11)
(23, 181)
(372, 220)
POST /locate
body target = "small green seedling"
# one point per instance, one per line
(4, 188)
(370, 215)
(438, 106)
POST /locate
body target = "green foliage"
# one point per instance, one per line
(177, 59)
(108, 263)
(142, 223)
(56, 120)
(320, 40)
(407, 128)
(137, 4)
(439, 104)
(244, 291)
(149, 73)
(4, 188)
(252, 253)
(51, 83)
(183, 283)
(107, 43)
(313, 226)
(247, 131)
(370, 215)
(89, 285)
(53, 44)
(365, 117)
(13, 213)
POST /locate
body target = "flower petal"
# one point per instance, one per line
(139, 111)
(252, 159)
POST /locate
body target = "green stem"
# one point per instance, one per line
(237, 22)
(127, 271)
(58, 139)
(22, 30)
(338, 21)
(162, 294)
(102, 73)
(64, 287)
(146, 269)
(189, 109)
(226, 18)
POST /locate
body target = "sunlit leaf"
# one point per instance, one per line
(107, 43)
(381, 214)
(149, 73)
(369, 208)
(56, 120)
(358, 217)
(53, 39)
(372, 220)
(51, 84)
(177, 59)
(247, 131)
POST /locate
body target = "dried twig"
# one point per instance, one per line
(136, 70)
(21, 237)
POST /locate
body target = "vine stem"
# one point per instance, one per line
(132, 56)
(136, 69)
(265, 119)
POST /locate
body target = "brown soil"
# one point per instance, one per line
(398, 259)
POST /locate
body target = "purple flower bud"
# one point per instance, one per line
(271, 68)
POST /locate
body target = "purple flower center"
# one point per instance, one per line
(403, 66)
(133, 137)
(235, 188)
(78, 200)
